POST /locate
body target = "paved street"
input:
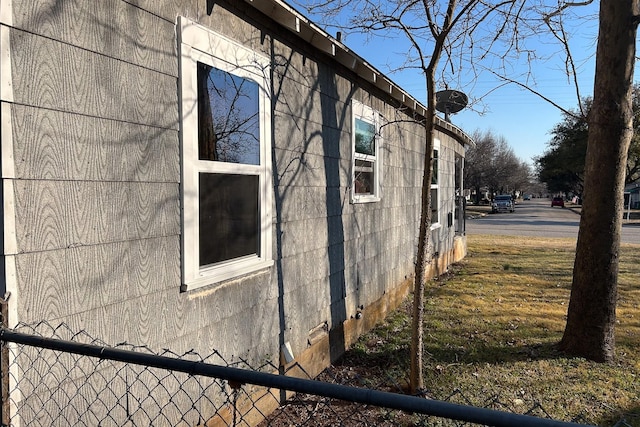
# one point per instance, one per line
(537, 218)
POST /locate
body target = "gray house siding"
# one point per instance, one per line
(91, 162)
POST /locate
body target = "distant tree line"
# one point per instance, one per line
(561, 167)
(492, 166)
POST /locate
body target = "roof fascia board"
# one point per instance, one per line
(289, 18)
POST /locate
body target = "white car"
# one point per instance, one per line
(503, 203)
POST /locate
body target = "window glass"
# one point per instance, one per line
(434, 175)
(434, 205)
(229, 217)
(228, 117)
(363, 177)
(365, 138)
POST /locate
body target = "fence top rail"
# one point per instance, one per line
(237, 377)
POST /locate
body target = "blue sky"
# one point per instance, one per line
(522, 118)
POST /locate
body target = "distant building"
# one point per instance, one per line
(632, 195)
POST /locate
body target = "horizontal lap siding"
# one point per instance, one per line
(95, 143)
(97, 195)
(59, 214)
(356, 252)
(58, 76)
(54, 145)
(112, 28)
(75, 280)
(95, 147)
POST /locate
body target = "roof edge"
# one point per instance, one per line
(294, 21)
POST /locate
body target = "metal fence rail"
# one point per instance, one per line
(54, 376)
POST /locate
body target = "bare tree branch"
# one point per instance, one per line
(535, 92)
(564, 6)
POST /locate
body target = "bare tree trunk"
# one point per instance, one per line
(425, 244)
(591, 316)
(423, 258)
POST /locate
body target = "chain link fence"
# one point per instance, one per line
(44, 385)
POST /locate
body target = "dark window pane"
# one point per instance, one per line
(434, 176)
(458, 178)
(434, 205)
(365, 138)
(363, 177)
(229, 217)
(228, 117)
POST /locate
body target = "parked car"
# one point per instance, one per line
(503, 203)
(557, 201)
(527, 197)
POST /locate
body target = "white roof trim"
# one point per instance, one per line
(300, 25)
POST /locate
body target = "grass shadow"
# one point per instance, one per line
(623, 417)
(491, 330)
(481, 353)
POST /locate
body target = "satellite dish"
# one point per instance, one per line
(450, 102)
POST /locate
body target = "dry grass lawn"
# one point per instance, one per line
(492, 324)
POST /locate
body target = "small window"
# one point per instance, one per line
(366, 154)
(226, 163)
(435, 187)
(459, 212)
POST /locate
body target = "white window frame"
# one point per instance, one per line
(435, 222)
(367, 114)
(200, 44)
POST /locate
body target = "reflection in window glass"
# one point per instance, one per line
(434, 176)
(229, 217)
(434, 206)
(363, 177)
(228, 117)
(435, 215)
(365, 137)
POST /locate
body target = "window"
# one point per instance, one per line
(226, 158)
(459, 210)
(435, 187)
(365, 154)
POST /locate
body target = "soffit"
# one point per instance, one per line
(288, 17)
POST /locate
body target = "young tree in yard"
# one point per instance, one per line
(436, 30)
(450, 37)
(591, 314)
(439, 23)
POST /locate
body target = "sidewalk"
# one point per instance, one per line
(633, 215)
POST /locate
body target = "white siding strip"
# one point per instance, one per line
(6, 14)
(353, 62)
(6, 86)
(12, 289)
(8, 164)
(15, 373)
(9, 218)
